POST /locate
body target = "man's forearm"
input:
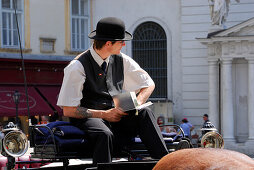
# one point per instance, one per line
(82, 112)
(144, 94)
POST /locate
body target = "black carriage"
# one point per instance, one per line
(60, 141)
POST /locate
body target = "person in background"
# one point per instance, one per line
(187, 127)
(205, 118)
(206, 125)
(170, 130)
(43, 120)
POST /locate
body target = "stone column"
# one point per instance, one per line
(251, 97)
(227, 100)
(214, 92)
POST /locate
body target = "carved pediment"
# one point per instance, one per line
(246, 31)
(236, 42)
(245, 28)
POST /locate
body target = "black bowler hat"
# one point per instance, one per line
(110, 29)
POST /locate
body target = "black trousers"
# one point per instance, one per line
(107, 137)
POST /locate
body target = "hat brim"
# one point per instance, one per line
(93, 35)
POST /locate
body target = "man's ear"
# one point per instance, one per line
(108, 43)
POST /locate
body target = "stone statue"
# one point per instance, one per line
(219, 11)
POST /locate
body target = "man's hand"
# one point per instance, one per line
(113, 115)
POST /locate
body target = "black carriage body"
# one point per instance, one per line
(48, 144)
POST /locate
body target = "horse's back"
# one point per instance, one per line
(199, 158)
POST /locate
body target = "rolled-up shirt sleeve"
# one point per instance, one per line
(135, 78)
(72, 86)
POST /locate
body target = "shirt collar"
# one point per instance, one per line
(97, 58)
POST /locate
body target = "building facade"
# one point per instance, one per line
(219, 72)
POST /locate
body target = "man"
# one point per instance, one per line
(205, 118)
(89, 83)
(206, 122)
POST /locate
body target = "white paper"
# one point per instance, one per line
(128, 101)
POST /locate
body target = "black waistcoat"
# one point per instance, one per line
(99, 87)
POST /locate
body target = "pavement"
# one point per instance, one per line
(73, 161)
(79, 162)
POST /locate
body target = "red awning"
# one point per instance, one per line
(51, 94)
(37, 106)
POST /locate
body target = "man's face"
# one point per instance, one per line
(117, 46)
(205, 118)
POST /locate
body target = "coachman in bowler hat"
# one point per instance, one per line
(90, 82)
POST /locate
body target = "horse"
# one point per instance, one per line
(205, 159)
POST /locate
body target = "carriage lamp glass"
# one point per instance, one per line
(212, 140)
(15, 143)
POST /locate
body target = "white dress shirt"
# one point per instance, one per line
(70, 94)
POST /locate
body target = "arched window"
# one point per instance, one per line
(149, 50)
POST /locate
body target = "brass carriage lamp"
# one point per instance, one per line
(16, 97)
(14, 143)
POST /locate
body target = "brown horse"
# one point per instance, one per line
(208, 158)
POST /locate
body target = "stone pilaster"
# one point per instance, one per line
(214, 92)
(227, 100)
(251, 97)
